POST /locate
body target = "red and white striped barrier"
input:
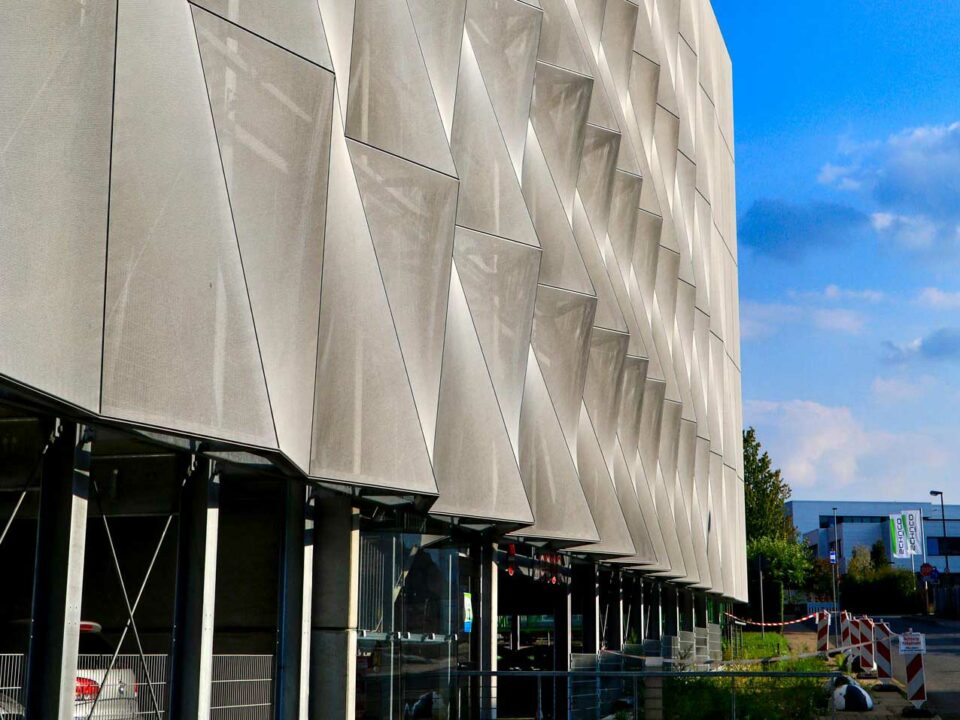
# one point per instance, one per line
(844, 628)
(855, 648)
(883, 638)
(772, 624)
(867, 663)
(823, 631)
(916, 688)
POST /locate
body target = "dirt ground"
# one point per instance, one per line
(801, 641)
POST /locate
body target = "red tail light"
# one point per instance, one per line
(86, 689)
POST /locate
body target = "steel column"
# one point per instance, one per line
(333, 638)
(191, 657)
(58, 575)
(290, 601)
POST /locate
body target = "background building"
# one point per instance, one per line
(861, 524)
(355, 329)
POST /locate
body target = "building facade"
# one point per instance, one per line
(863, 523)
(368, 339)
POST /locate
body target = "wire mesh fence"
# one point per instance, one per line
(128, 687)
(242, 687)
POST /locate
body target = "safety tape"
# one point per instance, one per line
(772, 624)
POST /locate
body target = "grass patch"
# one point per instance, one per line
(757, 698)
(759, 645)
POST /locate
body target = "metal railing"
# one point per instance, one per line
(241, 689)
(636, 695)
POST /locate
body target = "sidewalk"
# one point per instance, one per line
(885, 705)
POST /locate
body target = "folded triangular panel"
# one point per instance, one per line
(602, 389)
(439, 27)
(391, 103)
(56, 75)
(608, 309)
(476, 470)
(504, 35)
(547, 468)
(272, 112)
(698, 506)
(597, 169)
(294, 25)
(558, 113)
(337, 17)
(562, 265)
(490, 196)
(180, 348)
(410, 212)
(598, 488)
(646, 554)
(559, 42)
(562, 324)
(499, 279)
(365, 426)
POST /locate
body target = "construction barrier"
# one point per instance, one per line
(854, 644)
(867, 663)
(811, 616)
(883, 637)
(823, 631)
(916, 688)
(844, 628)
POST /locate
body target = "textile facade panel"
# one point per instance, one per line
(480, 252)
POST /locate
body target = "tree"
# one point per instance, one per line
(765, 494)
(784, 561)
(878, 555)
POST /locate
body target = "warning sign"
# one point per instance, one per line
(912, 643)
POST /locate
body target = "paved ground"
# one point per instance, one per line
(941, 663)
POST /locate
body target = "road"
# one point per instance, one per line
(941, 663)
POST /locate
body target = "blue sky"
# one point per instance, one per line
(847, 142)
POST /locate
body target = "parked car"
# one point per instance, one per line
(118, 691)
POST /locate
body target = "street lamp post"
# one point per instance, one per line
(943, 519)
(833, 577)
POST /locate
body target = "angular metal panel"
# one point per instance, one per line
(562, 323)
(410, 212)
(595, 183)
(272, 112)
(602, 389)
(559, 43)
(391, 103)
(504, 35)
(292, 24)
(439, 26)
(601, 494)
(337, 17)
(608, 309)
(546, 466)
(365, 425)
(643, 543)
(477, 474)
(624, 209)
(56, 78)
(562, 265)
(499, 280)
(558, 113)
(490, 198)
(180, 349)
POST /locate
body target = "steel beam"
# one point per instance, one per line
(58, 575)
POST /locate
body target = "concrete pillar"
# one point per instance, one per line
(306, 616)
(333, 637)
(58, 576)
(290, 604)
(191, 657)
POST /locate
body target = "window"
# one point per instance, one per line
(943, 545)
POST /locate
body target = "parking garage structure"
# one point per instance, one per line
(346, 348)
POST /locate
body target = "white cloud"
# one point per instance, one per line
(940, 299)
(835, 292)
(913, 232)
(900, 389)
(762, 320)
(828, 452)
